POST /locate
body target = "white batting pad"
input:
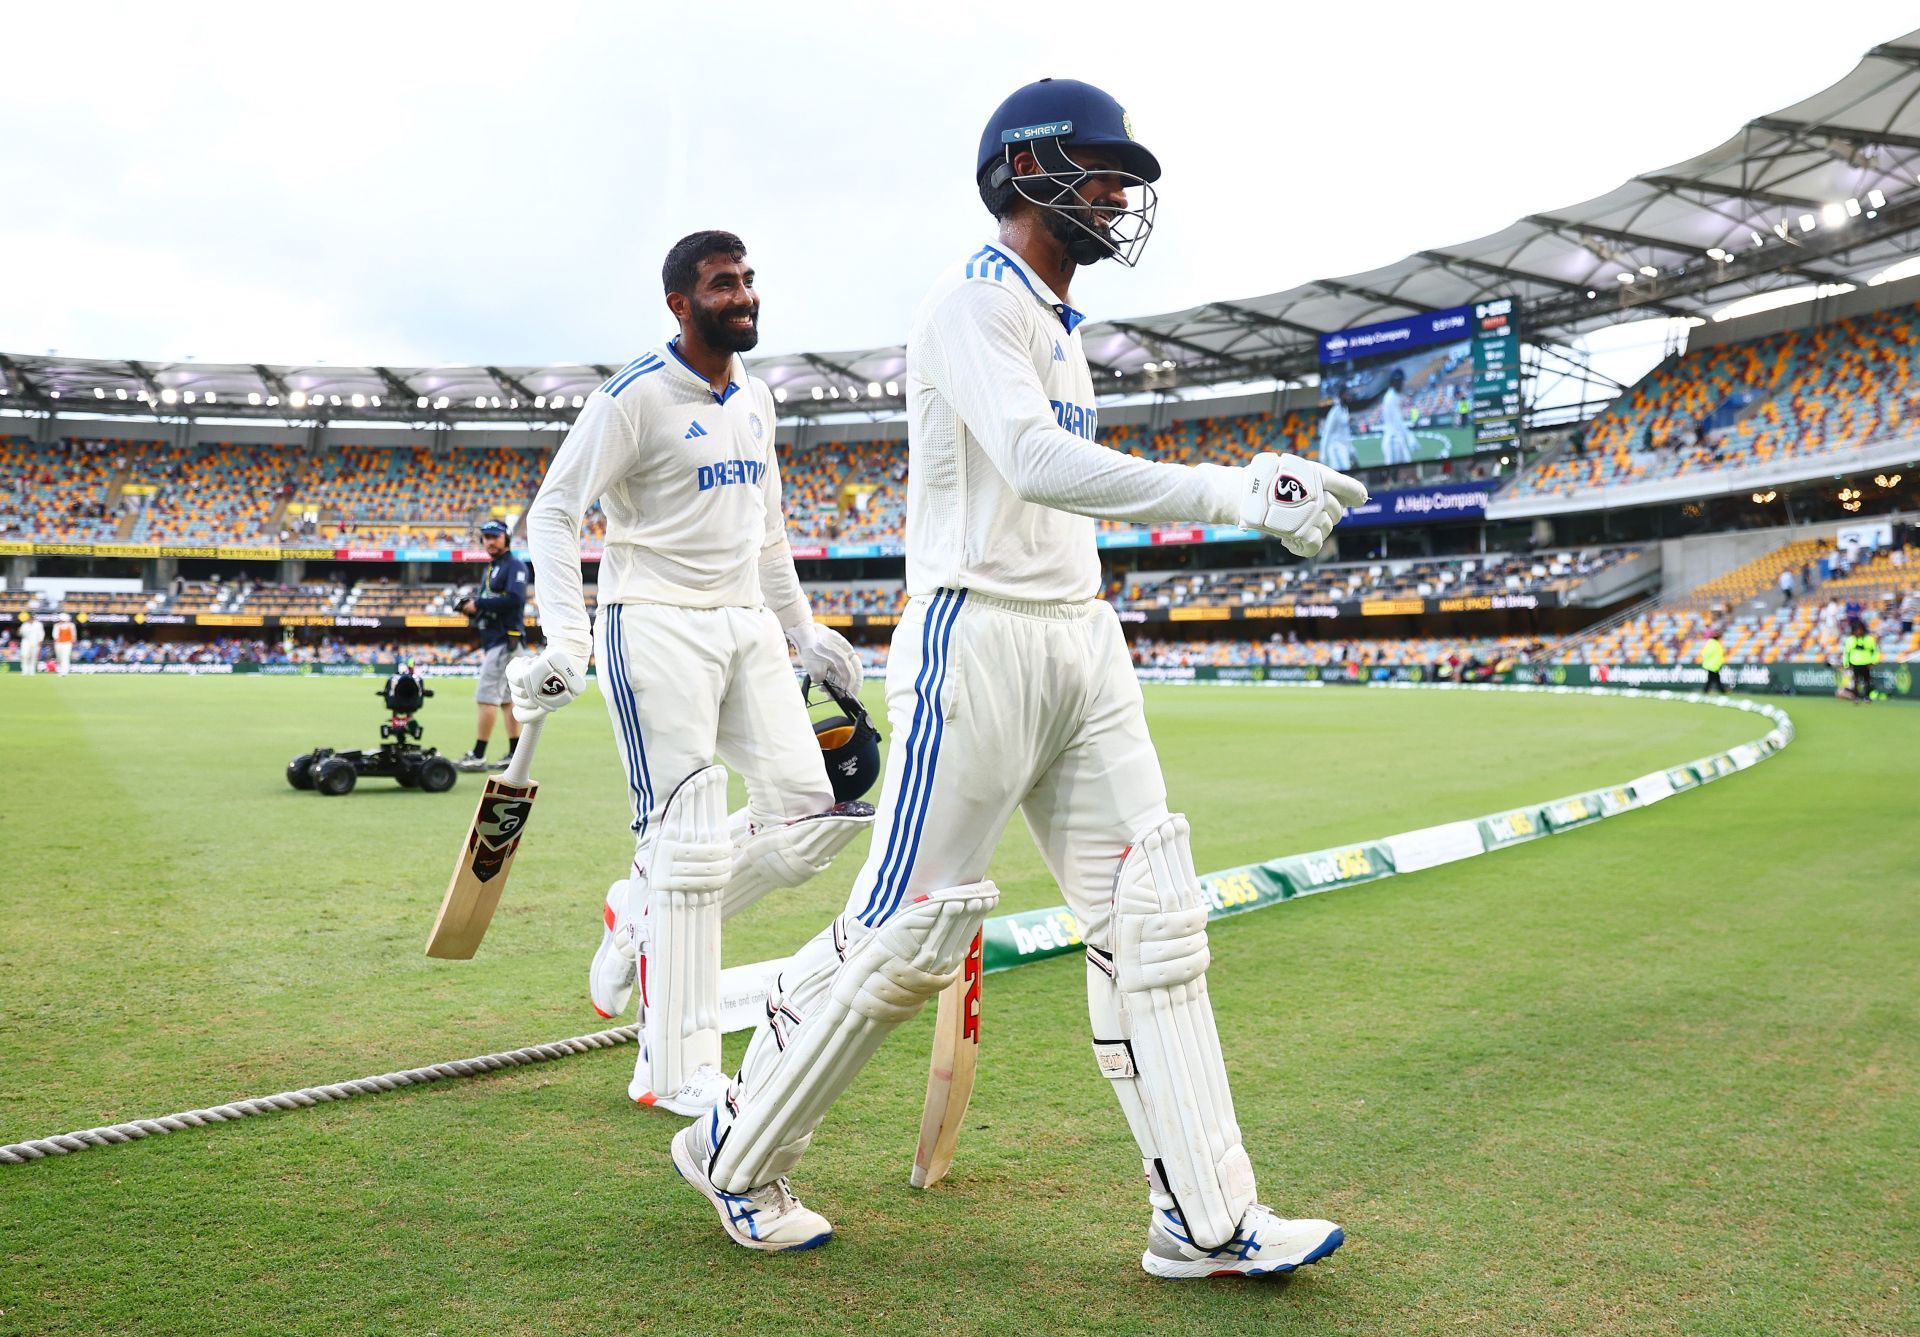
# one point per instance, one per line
(687, 866)
(1154, 1033)
(789, 853)
(825, 1021)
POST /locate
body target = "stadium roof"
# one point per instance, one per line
(1825, 192)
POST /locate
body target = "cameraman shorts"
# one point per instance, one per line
(492, 687)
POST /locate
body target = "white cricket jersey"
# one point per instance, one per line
(1392, 417)
(1004, 478)
(690, 485)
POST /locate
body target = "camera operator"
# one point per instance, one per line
(498, 612)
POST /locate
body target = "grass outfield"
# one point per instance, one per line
(1658, 1074)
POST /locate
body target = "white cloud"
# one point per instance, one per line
(410, 182)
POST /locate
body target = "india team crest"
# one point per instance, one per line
(753, 421)
(1126, 123)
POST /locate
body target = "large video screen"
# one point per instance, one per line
(1436, 386)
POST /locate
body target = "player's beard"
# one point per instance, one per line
(1083, 245)
(716, 330)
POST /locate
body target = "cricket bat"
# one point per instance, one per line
(956, 1051)
(480, 874)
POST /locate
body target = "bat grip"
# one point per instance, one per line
(522, 763)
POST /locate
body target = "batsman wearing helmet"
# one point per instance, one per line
(1009, 688)
(698, 597)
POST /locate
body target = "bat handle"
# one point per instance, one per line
(522, 763)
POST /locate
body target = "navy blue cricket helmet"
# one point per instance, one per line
(1047, 118)
(849, 742)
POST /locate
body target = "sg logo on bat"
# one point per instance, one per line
(497, 832)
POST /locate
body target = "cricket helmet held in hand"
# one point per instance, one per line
(849, 742)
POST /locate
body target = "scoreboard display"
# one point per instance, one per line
(1432, 386)
(1496, 374)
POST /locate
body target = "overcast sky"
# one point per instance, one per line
(411, 183)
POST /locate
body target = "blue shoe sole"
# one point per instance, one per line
(1327, 1246)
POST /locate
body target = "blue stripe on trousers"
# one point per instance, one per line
(910, 771)
(629, 710)
(923, 754)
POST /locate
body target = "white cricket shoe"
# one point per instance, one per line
(1264, 1243)
(769, 1218)
(698, 1095)
(471, 762)
(610, 978)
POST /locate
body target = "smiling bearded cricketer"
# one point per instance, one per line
(698, 597)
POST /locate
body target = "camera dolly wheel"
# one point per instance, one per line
(335, 776)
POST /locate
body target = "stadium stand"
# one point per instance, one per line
(66, 491)
(367, 496)
(1798, 393)
(870, 597)
(1532, 573)
(845, 492)
(1881, 587)
(213, 493)
(397, 496)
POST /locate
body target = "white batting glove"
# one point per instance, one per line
(1297, 500)
(541, 684)
(826, 656)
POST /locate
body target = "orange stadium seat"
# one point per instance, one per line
(1797, 393)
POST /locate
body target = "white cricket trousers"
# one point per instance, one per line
(997, 705)
(29, 656)
(62, 656)
(994, 705)
(684, 685)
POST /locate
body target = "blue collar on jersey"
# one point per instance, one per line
(1068, 316)
(719, 396)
